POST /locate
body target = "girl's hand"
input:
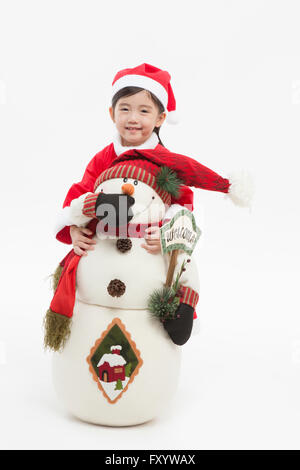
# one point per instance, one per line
(81, 242)
(152, 239)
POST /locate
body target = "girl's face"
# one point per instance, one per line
(135, 117)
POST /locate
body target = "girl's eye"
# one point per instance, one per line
(126, 109)
(135, 182)
(125, 180)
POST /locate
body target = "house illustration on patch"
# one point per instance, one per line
(111, 367)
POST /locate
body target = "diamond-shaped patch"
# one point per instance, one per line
(114, 361)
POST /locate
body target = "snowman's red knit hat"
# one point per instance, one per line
(143, 163)
(152, 79)
(138, 169)
(166, 171)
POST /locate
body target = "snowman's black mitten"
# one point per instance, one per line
(116, 208)
(180, 328)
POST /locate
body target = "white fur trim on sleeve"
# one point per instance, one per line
(172, 210)
(63, 220)
(76, 215)
(71, 215)
(241, 189)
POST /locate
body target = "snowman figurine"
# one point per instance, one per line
(119, 365)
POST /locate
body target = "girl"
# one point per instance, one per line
(141, 96)
(138, 113)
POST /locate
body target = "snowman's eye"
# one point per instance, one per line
(125, 180)
(102, 190)
(135, 182)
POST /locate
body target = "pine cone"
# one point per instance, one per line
(124, 244)
(116, 288)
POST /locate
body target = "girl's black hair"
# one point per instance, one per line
(132, 90)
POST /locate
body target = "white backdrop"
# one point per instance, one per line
(236, 77)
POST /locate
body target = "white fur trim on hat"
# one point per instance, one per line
(143, 82)
(241, 189)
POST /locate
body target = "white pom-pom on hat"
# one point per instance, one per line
(241, 189)
(172, 117)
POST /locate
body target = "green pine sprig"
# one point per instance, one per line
(168, 180)
(163, 302)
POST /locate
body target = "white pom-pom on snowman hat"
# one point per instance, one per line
(241, 189)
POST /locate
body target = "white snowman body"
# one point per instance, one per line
(80, 378)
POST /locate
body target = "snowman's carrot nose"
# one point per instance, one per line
(128, 189)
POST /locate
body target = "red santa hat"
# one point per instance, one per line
(150, 78)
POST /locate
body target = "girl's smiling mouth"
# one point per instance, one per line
(133, 129)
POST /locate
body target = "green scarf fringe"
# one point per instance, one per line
(57, 330)
(56, 326)
(56, 276)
